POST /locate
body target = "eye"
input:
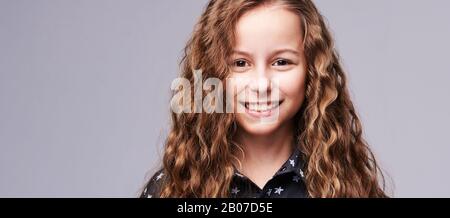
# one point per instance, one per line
(240, 63)
(281, 62)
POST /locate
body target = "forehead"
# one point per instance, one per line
(268, 26)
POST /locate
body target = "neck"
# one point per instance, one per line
(270, 150)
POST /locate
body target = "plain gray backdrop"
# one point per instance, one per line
(84, 90)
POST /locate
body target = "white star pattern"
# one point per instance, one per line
(159, 176)
(278, 190)
(284, 182)
(269, 191)
(234, 190)
(301, 173)
(292, 162)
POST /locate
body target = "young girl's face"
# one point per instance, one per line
(268, 49)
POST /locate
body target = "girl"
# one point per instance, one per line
(313, 146)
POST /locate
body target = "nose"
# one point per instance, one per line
(260, 83)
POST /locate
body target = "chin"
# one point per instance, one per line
(259, 127)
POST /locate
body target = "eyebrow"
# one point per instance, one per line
(279, 51)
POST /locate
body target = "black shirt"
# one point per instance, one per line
(287, 182)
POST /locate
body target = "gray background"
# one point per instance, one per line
(84, 90)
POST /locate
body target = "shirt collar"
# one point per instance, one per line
(295, 163)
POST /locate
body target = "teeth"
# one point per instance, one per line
(260, 107)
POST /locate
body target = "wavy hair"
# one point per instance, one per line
(199, 154)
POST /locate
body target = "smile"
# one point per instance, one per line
(261, 109)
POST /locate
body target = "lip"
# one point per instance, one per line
(261, 109)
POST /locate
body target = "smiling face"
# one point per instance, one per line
(268, 69)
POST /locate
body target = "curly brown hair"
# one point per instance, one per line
(200, 156)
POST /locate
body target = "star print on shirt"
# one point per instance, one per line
(234, 190)
(292, 162)
(269, 191)
(159, 176)
(287, 182)
(278, 190)
(301, 173)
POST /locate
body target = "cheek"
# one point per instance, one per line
(292, 84)
(293, 88)
(234, 86)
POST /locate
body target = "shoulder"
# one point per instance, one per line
(154, 185)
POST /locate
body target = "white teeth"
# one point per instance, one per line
(260, 107)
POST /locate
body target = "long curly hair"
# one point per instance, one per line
(199, 154)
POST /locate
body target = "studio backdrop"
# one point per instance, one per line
(85, 90)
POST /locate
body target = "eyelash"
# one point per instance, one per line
(240, 60)
(286, 62)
